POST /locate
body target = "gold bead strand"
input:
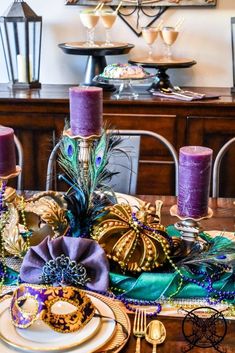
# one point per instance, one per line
(27, 231)
(172, 264)
(4, 215)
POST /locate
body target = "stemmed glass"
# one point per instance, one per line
(150, 35)
(89, 20)
(108, 18)
(169, 36)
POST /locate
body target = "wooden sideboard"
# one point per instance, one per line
(38, 116)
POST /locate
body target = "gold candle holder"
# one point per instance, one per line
(189, 229)
(4, 178)
(12, 175)
(86, 144)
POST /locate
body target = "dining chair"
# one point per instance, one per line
(136, 156)
(216, 166)
(126, 163)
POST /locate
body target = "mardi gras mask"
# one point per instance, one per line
(43, 300)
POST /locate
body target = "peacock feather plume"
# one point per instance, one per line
(88, 193)
(68, 158)
(221, 251)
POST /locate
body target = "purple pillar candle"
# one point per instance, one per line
(7, 151)
(194, 181)
(86, 110)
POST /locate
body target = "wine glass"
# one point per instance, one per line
(108, 18)
(89, 20)
(150, 35)
(169, 36)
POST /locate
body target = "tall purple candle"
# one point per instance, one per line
(194, 181)
(86, 110)
(7, 151)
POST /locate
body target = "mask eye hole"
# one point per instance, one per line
(62, 308)
(29, 305)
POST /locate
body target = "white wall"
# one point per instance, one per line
(205, 37)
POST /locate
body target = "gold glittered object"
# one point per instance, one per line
(45, 214)
(135, 243)
(13, 242)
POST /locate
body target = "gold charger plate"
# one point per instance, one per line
(118, 340)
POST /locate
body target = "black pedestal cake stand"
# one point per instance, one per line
(162, 64)
(96, 60)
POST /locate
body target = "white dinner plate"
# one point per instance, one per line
(133, 201)
(94, 339)
(39, 332)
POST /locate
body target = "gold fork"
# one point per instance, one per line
(139, 327)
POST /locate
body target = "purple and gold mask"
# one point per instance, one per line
(43, 299)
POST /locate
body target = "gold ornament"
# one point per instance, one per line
(12, 240)
(136, 241)
(42, 215)
(51, 210)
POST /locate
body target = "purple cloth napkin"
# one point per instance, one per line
(85, 251)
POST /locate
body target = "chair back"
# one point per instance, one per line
(126, 163)
(216, 167)
(20, 162)
(157, 137)
(51, 168)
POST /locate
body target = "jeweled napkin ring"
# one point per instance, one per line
(44, 298)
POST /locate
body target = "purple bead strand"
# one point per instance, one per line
(211, 292)
(146, 227)
(130, 303)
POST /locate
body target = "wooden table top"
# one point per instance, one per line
(223, 219)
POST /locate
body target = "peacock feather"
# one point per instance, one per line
(220, 252)
(99, 171)
(68, 158)
(89, 193)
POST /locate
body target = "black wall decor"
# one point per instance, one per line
(175, 3)
(132, 12)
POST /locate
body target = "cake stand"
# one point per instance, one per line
(96, 61)
(162, 64)
(126, 89)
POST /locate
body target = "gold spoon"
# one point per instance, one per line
(155, 333)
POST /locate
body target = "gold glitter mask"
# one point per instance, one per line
(43, 300)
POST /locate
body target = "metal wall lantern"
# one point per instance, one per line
(21, 32)
(233, 50)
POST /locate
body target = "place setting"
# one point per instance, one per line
(100, 332)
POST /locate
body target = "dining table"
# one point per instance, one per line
(223, 220)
